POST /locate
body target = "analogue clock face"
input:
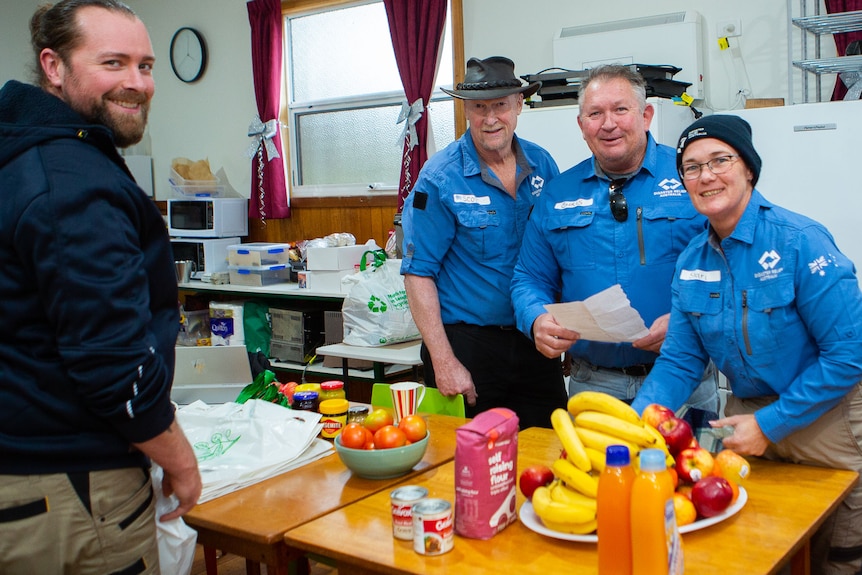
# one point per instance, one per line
(188, 54)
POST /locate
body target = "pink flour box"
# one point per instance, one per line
(486, 468)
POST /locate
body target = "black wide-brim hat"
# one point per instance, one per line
(490, 79)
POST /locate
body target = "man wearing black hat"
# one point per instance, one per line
(463, 225)
(619, 217)
(766, 294)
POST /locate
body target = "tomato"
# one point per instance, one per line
(414, 427)
(377, 419)
(389, 436)
(353, 436)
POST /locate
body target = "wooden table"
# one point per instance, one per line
(405, 353)
(786, 505)
(252, 521)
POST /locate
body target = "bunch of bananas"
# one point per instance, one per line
(592, 421)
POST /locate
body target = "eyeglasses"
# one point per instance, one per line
(717, 165)
(619, 206)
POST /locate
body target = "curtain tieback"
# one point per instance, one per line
(411, 113)
(263, 134)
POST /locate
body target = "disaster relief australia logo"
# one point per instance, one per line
(768, 261)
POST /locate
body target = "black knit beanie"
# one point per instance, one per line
(731, 130)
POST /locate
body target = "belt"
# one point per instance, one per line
(637, 370)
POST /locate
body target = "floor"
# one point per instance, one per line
(235, 565)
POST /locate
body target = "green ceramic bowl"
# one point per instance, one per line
(382, 463)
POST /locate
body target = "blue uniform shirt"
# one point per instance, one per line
(778, 309)
(573, 248)
(464, 230)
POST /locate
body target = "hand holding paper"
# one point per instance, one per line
(606, 316)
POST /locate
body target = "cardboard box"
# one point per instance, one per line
(327, 281)
(339, 258)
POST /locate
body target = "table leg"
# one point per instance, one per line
(379, 372)
(800, 562)
(210, 560)
(252, 567)
(345, 372)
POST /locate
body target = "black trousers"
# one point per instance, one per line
(507, 372)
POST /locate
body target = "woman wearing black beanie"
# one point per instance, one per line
(766, 294)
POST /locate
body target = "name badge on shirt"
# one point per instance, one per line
(579, 203)
(471, 199)
(700, 275)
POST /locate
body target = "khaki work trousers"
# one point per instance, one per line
(96, 523)
(834, 441)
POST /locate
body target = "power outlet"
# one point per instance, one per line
(729, 28)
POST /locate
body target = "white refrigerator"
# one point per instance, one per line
(812, 164)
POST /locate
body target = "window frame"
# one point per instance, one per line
(295, 8)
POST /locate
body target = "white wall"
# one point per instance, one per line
(209, 119)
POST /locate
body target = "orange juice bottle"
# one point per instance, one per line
(613, 512)
(656, 545)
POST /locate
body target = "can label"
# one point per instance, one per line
(402, 501)
(433, 530)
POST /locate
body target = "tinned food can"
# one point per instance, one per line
(402, 501)
(433, 528)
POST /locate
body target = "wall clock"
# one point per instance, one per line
(188, 54)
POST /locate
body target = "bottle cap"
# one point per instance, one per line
(617, 455)
(332, 384)
(652, 460)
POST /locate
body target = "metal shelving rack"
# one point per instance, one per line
(813, 27)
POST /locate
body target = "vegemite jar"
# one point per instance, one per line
(333, 416)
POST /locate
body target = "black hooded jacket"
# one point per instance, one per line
(88, 295)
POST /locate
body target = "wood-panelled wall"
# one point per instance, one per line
(364, 216)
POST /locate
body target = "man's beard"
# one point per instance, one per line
(128, 129)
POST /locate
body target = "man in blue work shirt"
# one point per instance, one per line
(463, 225)
(620, 217)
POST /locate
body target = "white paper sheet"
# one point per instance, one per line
(606, 316)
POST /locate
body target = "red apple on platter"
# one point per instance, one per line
(694, 464)
(534, 477)
(654, 414)
(677, 434)
(711, 496)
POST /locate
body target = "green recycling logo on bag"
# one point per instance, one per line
(377, 305)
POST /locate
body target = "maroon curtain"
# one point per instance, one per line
(269, 197)
(416, 28)
(843, 39)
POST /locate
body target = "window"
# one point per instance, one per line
(344, 98)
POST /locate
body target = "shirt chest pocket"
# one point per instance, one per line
(572, 238)
(667, 227)
(702, 304)
(481, 232)
(770, 317)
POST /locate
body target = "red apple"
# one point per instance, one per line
(711, 496)
(694, 464)
(533, 477)
(677, 434)
(654, 414)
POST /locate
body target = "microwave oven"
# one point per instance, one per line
(209, 255)
(207, 217)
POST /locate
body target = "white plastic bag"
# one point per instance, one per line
(237, 445)
(176, 539)
(375, 310)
